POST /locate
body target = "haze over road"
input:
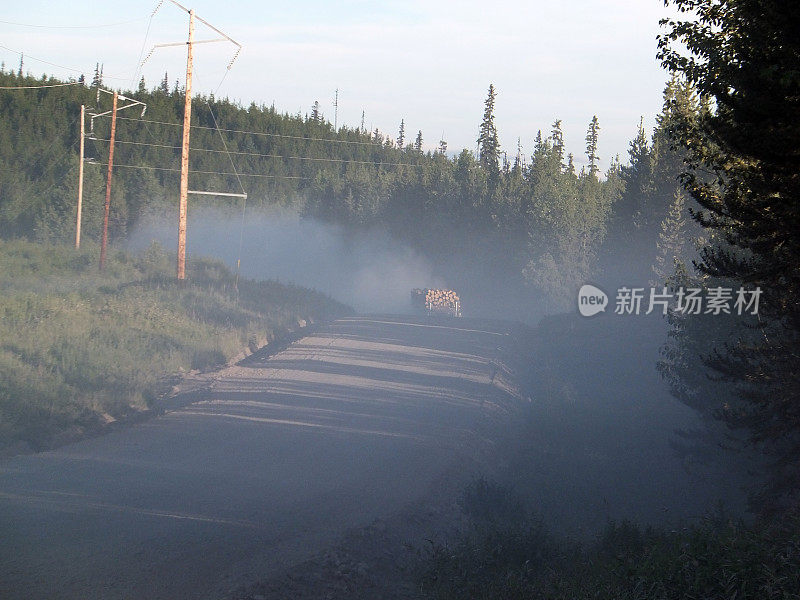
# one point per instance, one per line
(275, 461)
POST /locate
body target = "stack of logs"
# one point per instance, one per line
(442, 300)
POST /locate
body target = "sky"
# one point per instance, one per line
(429, 63)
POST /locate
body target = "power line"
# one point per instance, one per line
(260, 133)
(258, 154)
(71, 26)
(144, 43)
(225, 146)
(239, 179)
(146, 167)
(233, 166)
(36, 87)
(52, 64)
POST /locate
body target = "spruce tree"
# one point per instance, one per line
(488, 143)
(97, 78)
(558, 142)
(671, 245)
(315, 114)
(418, 142)
(401, 135)
(591, 146)
(164, 86)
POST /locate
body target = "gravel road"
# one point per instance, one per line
(273, 461)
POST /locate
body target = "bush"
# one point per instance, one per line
(717, 559)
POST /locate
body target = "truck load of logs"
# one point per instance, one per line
(437, 301)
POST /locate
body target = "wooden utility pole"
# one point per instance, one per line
(104, 243)
(184, 190)
(80, 180)
(187, 121)
(113, 112)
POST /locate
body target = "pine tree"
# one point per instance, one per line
(488, 143)
(637, 208)
(164, 85)
(558, 142)
(21, 63)
(418, 142)
(142, 86)
(442, 146)
(401, 136)
(315, 114)
(638, 150)
(97, 78)
(671, 245)
(538, 142)
(591, 146)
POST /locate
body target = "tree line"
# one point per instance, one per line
(536, 222)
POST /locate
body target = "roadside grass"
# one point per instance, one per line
(79, 348)
(510, 559)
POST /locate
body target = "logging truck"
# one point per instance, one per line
(436, 301)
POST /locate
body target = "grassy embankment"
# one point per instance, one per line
(79, 348)
(508, 554)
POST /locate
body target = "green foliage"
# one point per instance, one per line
(519, 559)
(672, 242)
(741, 144)
(568, 213)
(651, 180)
(79, 348)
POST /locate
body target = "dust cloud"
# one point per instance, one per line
(368, 270)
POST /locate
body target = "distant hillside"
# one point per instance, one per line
(278, 159)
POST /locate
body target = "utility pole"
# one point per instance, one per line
(104, 243)
(184, 189)
(93, 116)
(80, 180)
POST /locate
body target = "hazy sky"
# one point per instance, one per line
(429, 63)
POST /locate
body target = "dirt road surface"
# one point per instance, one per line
(276, 459)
